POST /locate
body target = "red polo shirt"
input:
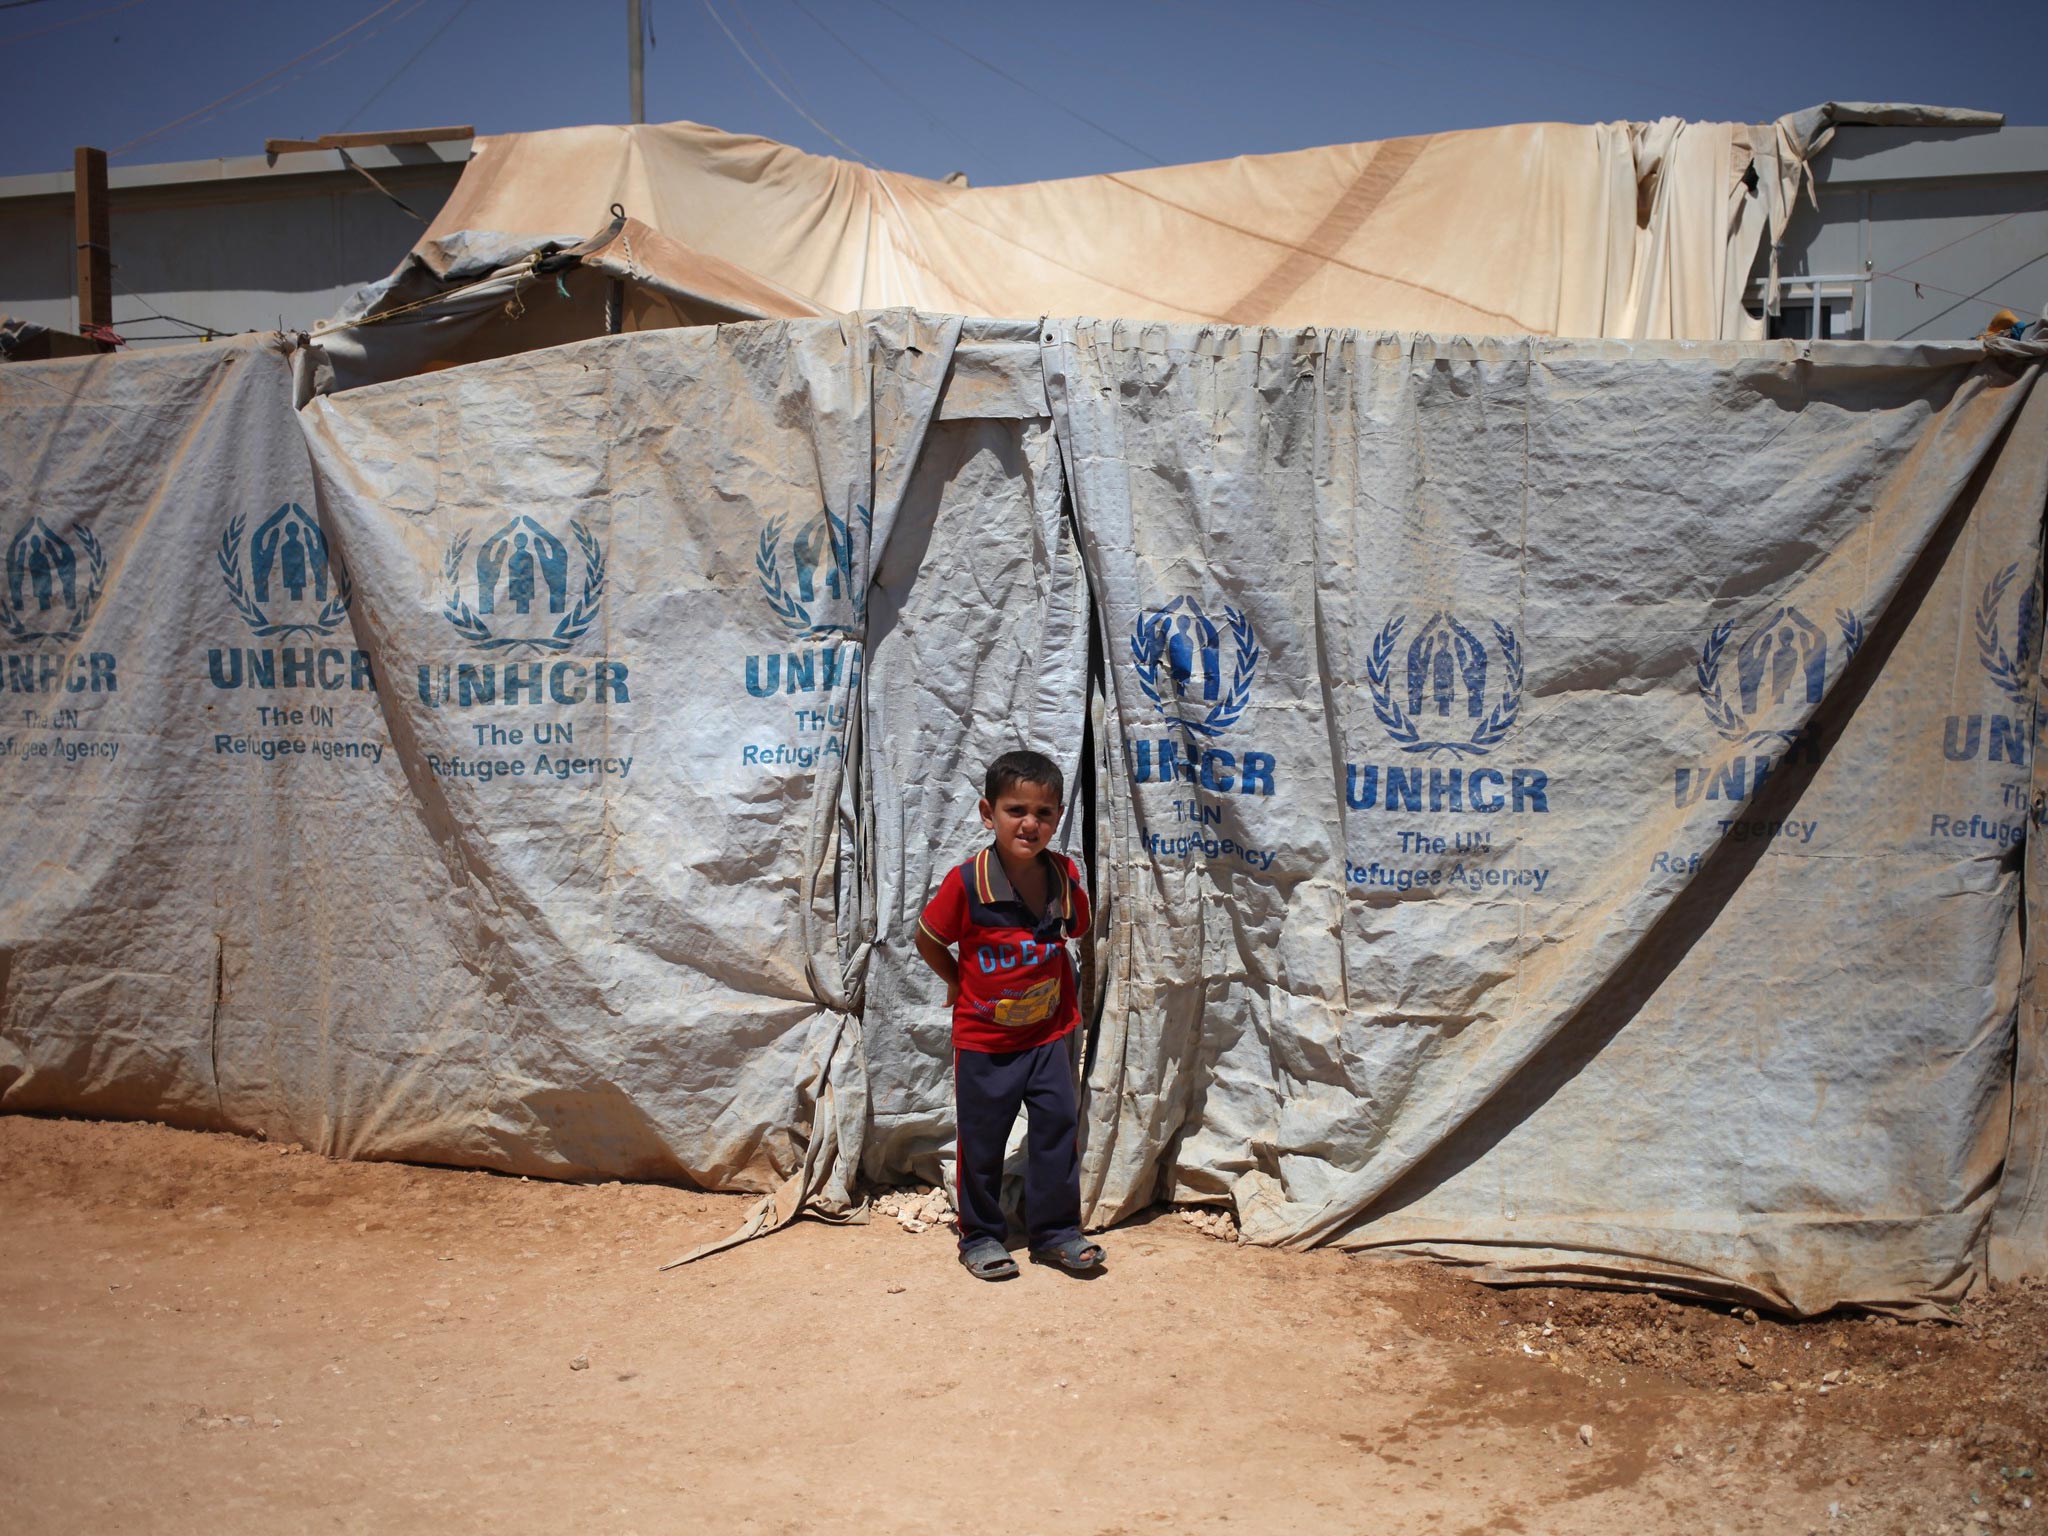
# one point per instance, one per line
(1017, 982)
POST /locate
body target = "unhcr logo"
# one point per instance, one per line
(285, 581)
(293, 585)
(1185, 641)
(1200, 682)
(514, 593)
(1447, 692)
(517, 589)
(2000, 737)
(821, 596)
(1444, 687)
(2008, 669)
(809, 578)
(52, 586)
(1781, 674)
(809, 581)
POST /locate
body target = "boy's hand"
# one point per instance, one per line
(941, 960)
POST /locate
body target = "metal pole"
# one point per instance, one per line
(636, 73)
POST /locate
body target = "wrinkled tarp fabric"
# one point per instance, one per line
(2019, 1232)
(165, 894)
(1612, 229)
(1556, 805)
(1550, 757)
(478, 295)
(571, 889)
(685, 914)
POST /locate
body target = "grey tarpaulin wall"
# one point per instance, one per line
(1557, 804)
(1610, 769)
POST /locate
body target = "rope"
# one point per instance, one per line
(153, 313)
(329, 327)
(1950, 293)
(1963, 298)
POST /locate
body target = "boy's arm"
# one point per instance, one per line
(939, 927)
(940, 959)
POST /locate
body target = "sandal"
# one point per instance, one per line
(987, 1259)
(1076, 1255)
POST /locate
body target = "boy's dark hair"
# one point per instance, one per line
(1023, 767)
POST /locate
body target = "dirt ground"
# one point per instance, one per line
(203, 1333)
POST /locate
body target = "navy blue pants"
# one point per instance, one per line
(989, 1087)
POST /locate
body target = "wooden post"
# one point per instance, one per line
(636, 67)
(95, 255)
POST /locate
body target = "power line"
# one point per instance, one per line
(860, 58)
(1467, 40)
(1177, 96)
(769, 81)
(1973, 234)
(150, 312)
(321, 63)
(153, 313)
(888, 84)
(1029, 89)
(72, 21)
(372, 98)
(1964, 298)
(242, 91)
(761, 42)
(338, 54)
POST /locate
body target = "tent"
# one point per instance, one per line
(1556, 805)
(1630, 230)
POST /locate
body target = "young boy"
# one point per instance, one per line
(1011, 908)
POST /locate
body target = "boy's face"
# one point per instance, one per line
(1023, 818)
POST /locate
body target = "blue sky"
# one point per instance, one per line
(1002, 92)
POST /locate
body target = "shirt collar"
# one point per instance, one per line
(996, 887)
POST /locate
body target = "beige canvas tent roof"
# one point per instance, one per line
(1635, 230)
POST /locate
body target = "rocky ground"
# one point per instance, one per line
(203, 1333)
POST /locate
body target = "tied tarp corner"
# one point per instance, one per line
(1556, 807)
